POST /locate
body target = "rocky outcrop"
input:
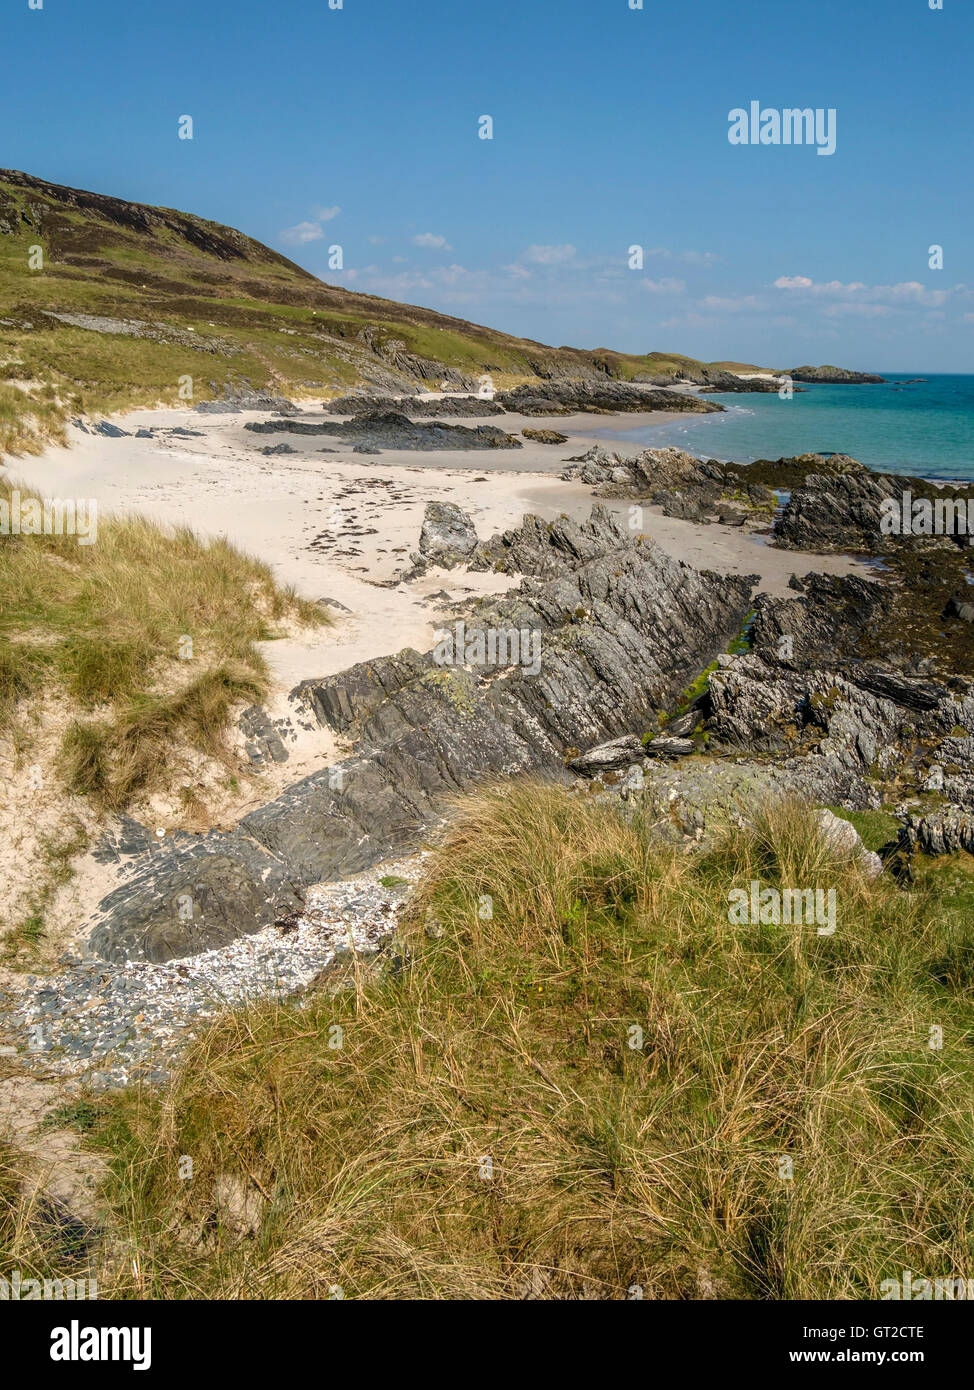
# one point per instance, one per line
(833, 725)
(572, 397)
(608, 757)
(453, 406)
(610, 631)
(945, 831)
(835, 376)
(238, 397)
(694, 489)
(843, 506)
(545, 436)
(544, 548)
(838, 511)
(391, 429)
(716, 382)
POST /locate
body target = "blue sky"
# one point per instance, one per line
(359, 127)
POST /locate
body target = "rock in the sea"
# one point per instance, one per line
(835, 376)
(448, 535)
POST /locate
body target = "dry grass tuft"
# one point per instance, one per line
(488, 1130)
(110, 624)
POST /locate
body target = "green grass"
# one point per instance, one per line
(81, 1115)
(111, 761)
(506, 1035)
(876, 828)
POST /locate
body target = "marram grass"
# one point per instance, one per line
(574, 1078)
(150, 635)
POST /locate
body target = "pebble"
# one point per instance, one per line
(102, 1026)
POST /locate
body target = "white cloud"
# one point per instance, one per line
(326, 214)
(733, 303)
(550, 255)
(664, 286)
(903, 293)
(303, 232)
(432, 242)
(857, 296)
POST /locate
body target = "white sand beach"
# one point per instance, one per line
(341, 526)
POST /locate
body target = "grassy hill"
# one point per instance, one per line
(106, 305)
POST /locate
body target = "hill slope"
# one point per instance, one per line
(106, 304)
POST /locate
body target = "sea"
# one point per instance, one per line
(923, 427)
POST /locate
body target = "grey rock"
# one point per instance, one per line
(571, 397)
(939, 832)
(451, 406)
(665, 747)
(961, 606)
(684, 725)
(621, 628)
(391, 429)
(448, 534)
(618, 752)
(844, 838)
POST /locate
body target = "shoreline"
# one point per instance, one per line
(341, 526)
(616, 436)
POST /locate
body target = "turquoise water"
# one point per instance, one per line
(926, 428)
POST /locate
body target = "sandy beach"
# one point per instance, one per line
(341, 526)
